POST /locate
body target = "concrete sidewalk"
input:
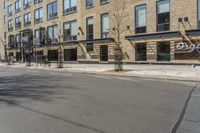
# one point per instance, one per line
(172, 72)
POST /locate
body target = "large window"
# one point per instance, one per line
(104, 25)
(27, 19)
(17, 5)
(52, 10)
(163, 15)
(52, 33)
(163, 51)
(70, 54)
(53, 55)
(198, 5)
(10, 10)
(69, 6)
(70, 30)
(89, 33)
(89, 3)
(38, 14)
(140, 19)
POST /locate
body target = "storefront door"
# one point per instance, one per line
(163, 51)
(104, 53)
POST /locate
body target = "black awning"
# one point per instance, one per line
(75, 42)
(153, 36)
(99, 40)
(193, 32)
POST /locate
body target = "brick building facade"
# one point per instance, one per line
(2, 46)
(147, 31)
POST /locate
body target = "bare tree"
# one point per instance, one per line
(120, 15)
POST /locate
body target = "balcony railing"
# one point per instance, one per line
(70, 38)
(27, 5)
(53, 15)
(38, 20)
(27, 23)
(70, 10)
(18, 25)
(163, 27)
(37, 1)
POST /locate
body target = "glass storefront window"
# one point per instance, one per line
(163, 51)
(141, 52)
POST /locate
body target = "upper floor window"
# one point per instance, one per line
(104, 1)
(37, 33)
(38, 14)
(37, 1)
(52, 10)
(18, 22)
(104, 25)
(89, 3)
(10, 10)
(69, 6)
(198, 5)
(70, 30)
(5, 19)
(4, 4)
(17, 40)
(89, 33)
(52, 33)
(27, 3)
(10, 25)
(140, 19)
(27, 18)
(163, 15)
(17, 5)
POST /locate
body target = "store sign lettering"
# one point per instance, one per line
(188, 47)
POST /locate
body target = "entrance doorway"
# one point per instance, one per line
(104, 53)
(70, 54)
(163, 51)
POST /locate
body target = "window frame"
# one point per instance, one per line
(38, 20)
(54, 14)
(53, 37)
(70, 9)
(140, 28)
(71, 37)
(101, 19)
(157, 29)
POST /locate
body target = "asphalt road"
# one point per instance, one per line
(36, 101)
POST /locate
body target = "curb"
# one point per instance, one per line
(172, 78)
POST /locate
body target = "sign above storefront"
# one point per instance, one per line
(189, 48)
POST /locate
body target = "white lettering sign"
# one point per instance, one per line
(189, 47)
